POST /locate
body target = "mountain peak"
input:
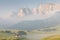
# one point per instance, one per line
(24, 12)
(43, 10)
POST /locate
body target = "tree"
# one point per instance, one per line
(8, 31)
(22, 33)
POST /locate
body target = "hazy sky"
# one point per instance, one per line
(8, 6)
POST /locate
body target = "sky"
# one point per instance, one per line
(9, 6)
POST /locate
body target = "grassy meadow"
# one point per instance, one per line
(32, 35)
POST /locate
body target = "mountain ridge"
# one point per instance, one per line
(42, 9)
(38, 24)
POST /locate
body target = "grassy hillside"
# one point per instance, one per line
(56, 37)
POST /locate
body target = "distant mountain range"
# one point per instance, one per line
(38, 24)
(46, 15)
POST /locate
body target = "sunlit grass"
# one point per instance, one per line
(55, 37)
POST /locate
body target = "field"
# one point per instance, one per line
(55, 37)
(11, 35)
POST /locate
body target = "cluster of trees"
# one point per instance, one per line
(6, 31)
(20, 35)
